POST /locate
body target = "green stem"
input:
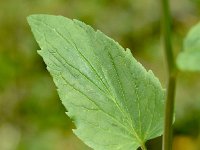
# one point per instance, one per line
(169, 105)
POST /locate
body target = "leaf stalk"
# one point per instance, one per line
(143, 147)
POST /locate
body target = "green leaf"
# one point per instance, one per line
(114, 102)
(189, 59)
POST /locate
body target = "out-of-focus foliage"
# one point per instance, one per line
(31, 114)
(189, 58)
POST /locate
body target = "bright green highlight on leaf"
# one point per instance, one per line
(189, 59)
(114, 102)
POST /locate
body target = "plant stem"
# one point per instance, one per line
(169, 105)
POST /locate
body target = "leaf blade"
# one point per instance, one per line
(100, 84)
(189, 58)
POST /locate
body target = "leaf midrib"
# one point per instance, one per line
(113, 99)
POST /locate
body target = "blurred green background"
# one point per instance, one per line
(31, 114)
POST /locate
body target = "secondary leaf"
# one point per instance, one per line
(189, 59)
(114, 102)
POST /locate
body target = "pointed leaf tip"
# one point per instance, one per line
(114, 102)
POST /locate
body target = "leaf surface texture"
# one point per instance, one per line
(114, 102)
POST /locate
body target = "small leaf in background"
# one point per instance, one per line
(114, 102)
(189, 59)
